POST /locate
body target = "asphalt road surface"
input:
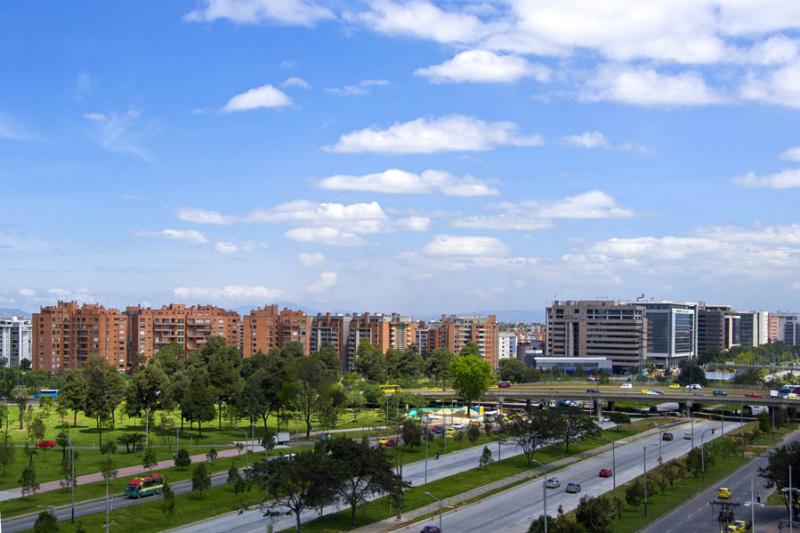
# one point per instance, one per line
(696, 514)
(513, 510)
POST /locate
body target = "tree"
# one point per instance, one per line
(201, 480)
(751, 376)
(131, 441)
(21, 398)
(7, 452)
(411, 433)
(36, 429)
(437, 365)
(470, 349)
(223, 372)
(362, 471)
(370, 362)
(147, 392)
(691, 372)
(198, 400)
(27, 478)
(355, 401)
(634, 494)
(329, 357)
(25, 365)
(167, 502)
(233, 475)
(408, 363)
(330, 404)
(776, 471)
(764, 423)
(531, 429)
(595, 514)
(182, 458)
(169, 358)
(571, 424)
(73, 393)
(513, 370)
(697, 457)
(472, 377)
(104, 391)
(311, 377)
(46, 522)
(304, 481)
(149, 459)
(473, 433)
(486, 457)
(211, 455)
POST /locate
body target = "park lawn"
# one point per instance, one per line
(148, 517)
(45, 500)
(47, 463)
(633, 519)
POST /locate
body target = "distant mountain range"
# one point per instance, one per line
(7, 312)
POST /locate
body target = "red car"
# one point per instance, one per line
(606, 472)
(46, 444)
(754, 395)
(504, 384)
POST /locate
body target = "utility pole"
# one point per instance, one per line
(72, 477)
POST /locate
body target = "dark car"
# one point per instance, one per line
(592, 391)
(667, 436)
(504, 384)
(573, 488)
(720, 393)
(430, 529)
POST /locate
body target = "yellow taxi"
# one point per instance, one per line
(739, 526)
(724, 493)
(675, 386)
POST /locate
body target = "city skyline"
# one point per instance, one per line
(415, 156)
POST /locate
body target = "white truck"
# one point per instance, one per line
(282, 437)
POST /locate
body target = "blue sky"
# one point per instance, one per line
(414, 156)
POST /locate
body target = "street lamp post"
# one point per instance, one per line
(613, 463)
(644, 469)
(544, 491)
(703, 454)
(440, 508)
(427, 437)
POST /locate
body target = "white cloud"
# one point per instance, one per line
(203, 216)
(414, 223)
(645, 87)
(27, 293)
(791, 154)
(484, 66)
(358, 89)
(785, 179)
(296, 82)
(287, 12)
(123, 133)
(324, 235)
(395, 181)
(225, 247)
(265, 96)
(237, 293)
(779, 87)
(325, 281)
(176, 234)
(534, 215)
(587, 139)
(451, 133)
(12, 131)
(356, 218)
(422, 19)
(252, 246)
(465, 246)
(311, 259)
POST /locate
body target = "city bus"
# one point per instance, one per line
(46, 393)
(144, 486)
(389, 389)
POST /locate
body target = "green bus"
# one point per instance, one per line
(144, 486)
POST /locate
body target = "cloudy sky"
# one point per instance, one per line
(412, 156)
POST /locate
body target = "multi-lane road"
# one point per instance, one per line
(513, 510)
(696, 516)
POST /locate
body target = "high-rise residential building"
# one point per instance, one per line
(266, 328)
(65, 335)
(16, 337)
(598, 328)
(187, 326)
(506, 345)
(780, 327)
(333, 329)
(716, 328)
(428, 337)
(753, 328)
(372, 328)
(402, 332)
(671, 332)
(458, 331)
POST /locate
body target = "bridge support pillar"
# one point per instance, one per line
(610, 405)
(597, 408)
(791, 412)
(683, 406)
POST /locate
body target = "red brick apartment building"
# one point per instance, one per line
(66, 334)
(266, 328)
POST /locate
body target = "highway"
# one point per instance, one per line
(695, 516)
(513, 510)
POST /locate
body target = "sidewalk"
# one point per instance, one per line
(410, 517)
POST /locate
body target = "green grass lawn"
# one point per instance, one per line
(86, 438)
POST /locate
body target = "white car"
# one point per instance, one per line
(626, 386)
(694, 386)
(458, 425)
(552, 483)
